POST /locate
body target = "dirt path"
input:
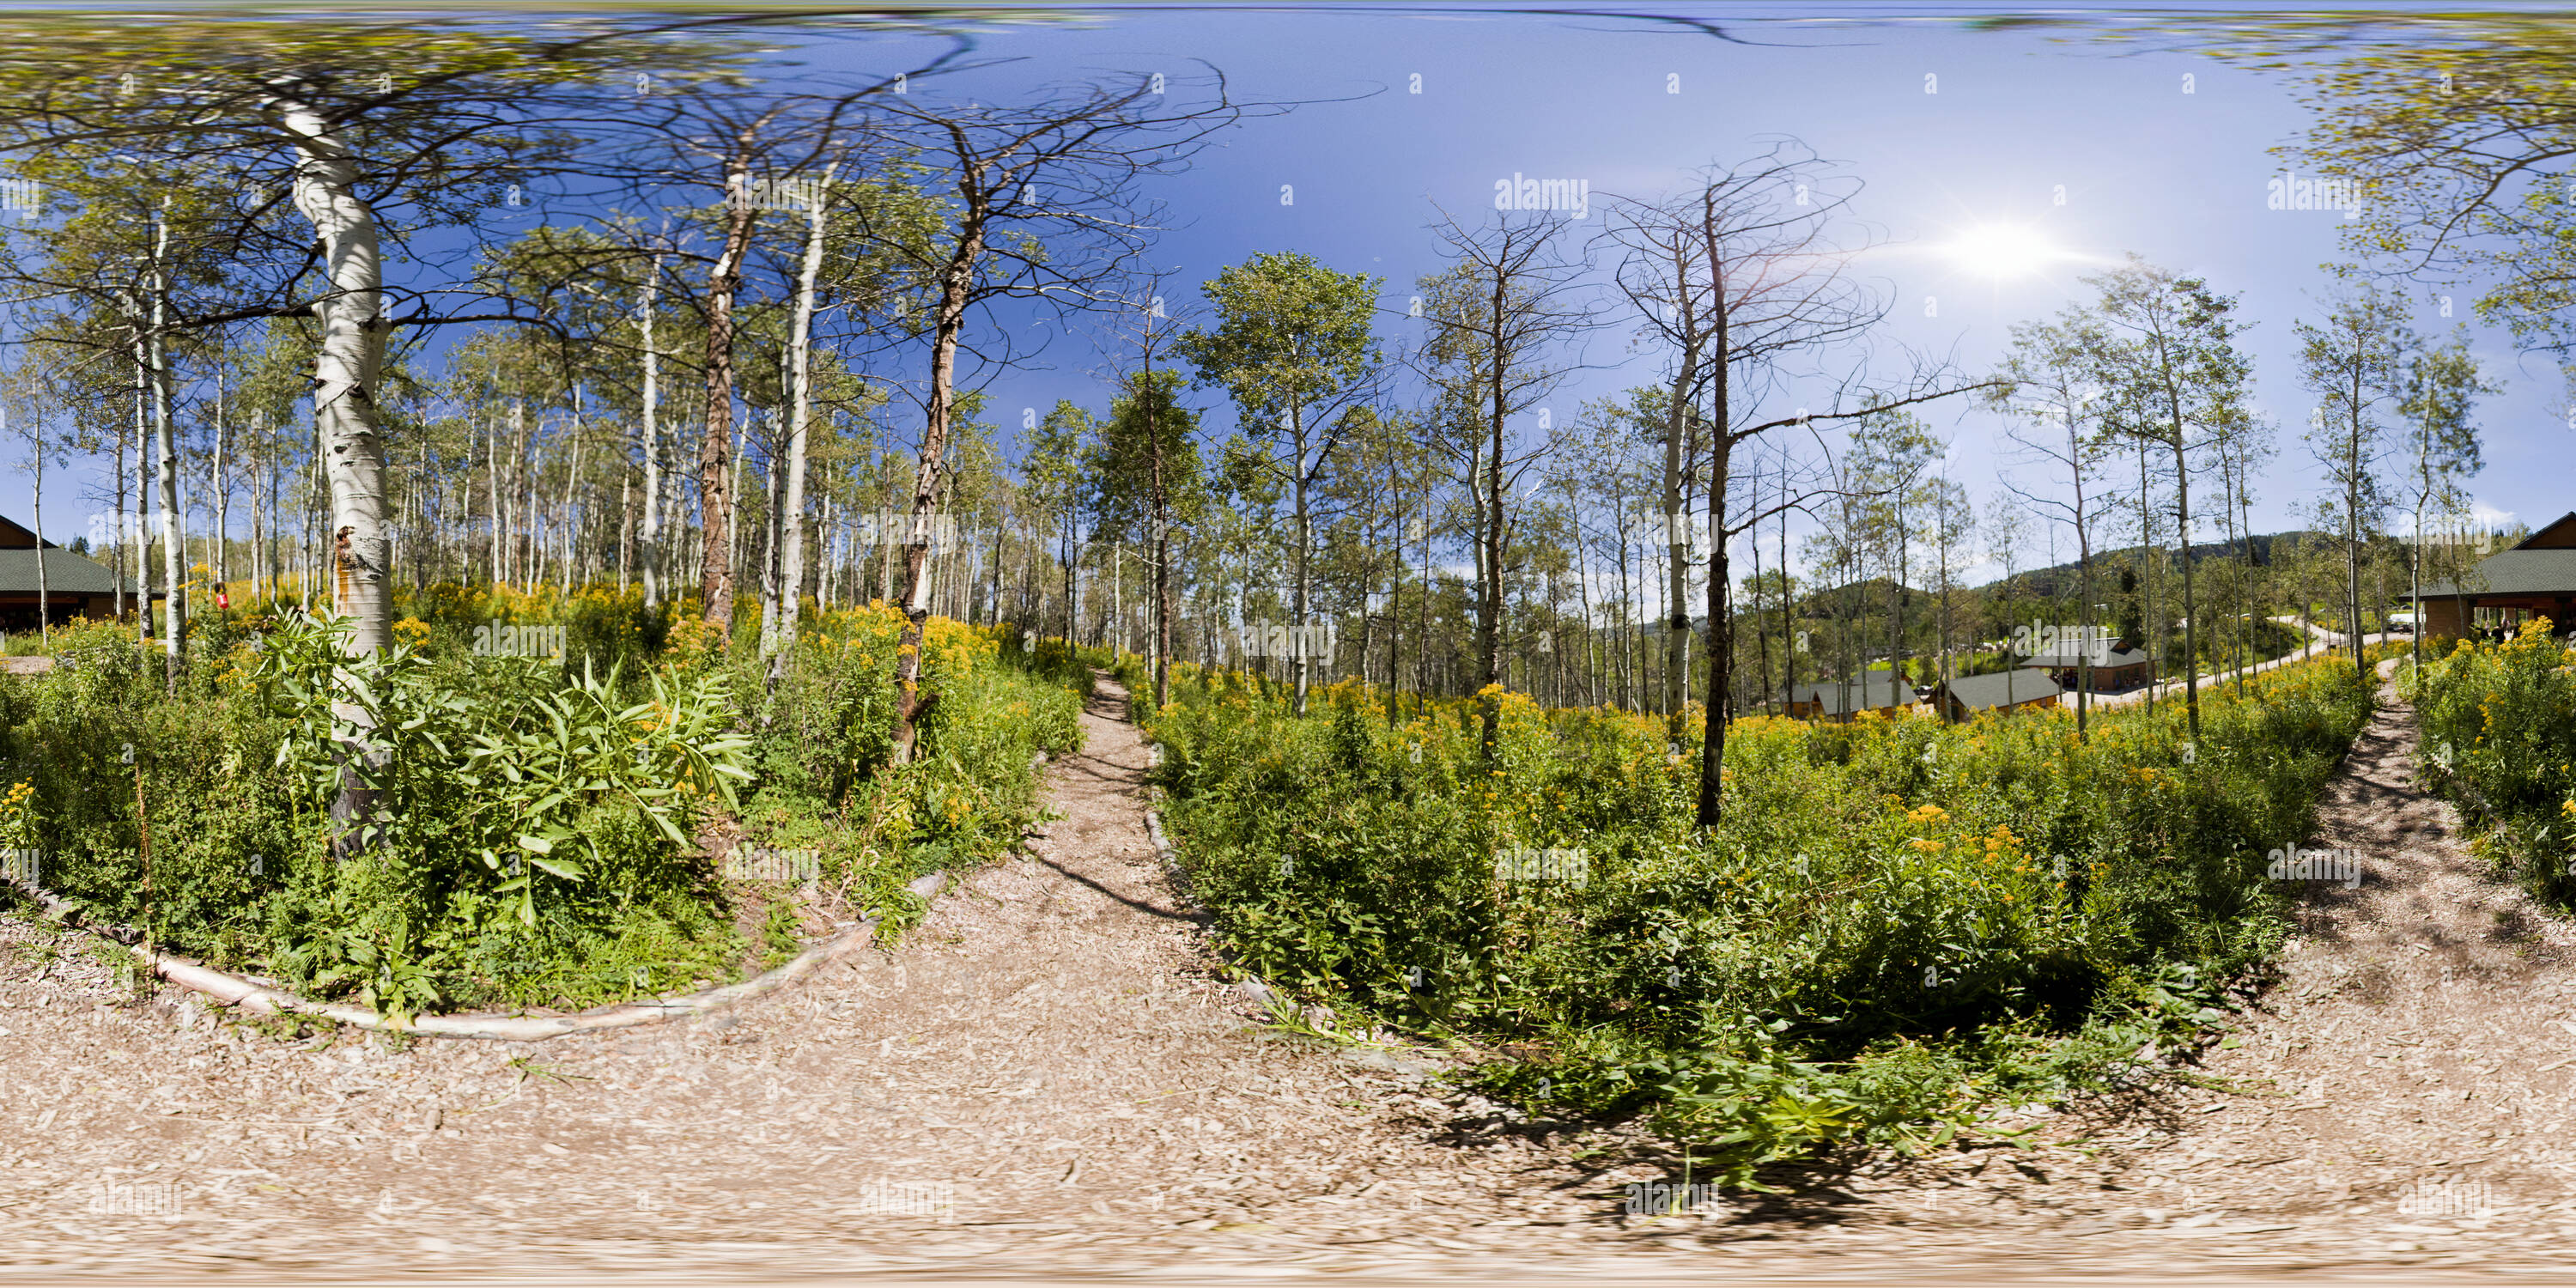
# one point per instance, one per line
(1044, 1080)
(1043, 1074)
(2405, 1084)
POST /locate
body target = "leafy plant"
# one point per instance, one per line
(1896, 923)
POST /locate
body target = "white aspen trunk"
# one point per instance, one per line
(36, 511)
(263, 519)
(773, 482)
(733, 531)
(492, 480)
(572, 480)
(348, 438)
(1305, 538)
(625, 524)
(651, 554)
(174, 550)
(223, 491)
(800, 360)
(956, 288)
(142, 530)
(511, 559)
(275, 534)
(828, 574)
(719, 479)
(346, 368)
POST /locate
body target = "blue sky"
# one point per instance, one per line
(2017, 119)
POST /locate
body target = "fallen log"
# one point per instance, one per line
(259, 999)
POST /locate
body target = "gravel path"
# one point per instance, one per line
(1044, 1080)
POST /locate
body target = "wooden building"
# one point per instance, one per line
(2015, 690)
(2535, 578)
(1839, 700)
(2114, 669)
(75, 586)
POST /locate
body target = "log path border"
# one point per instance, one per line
(255, 998)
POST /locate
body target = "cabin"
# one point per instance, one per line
(2015, 690)
(2114, 669)
(2534, 578)
(1837, 700)
(74, 585)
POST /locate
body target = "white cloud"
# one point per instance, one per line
(2487, 516)
(2481, 516)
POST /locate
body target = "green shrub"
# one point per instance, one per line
(2497, 729)
(1882, 905)
(533, 833)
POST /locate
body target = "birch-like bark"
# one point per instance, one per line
(142, 529)
(346, 367)
(1676, 545)
(36, 511)
(492, 484)
(956, 282)
(652, 534)
(165, 465)
(215, 479)
(715, 448)
(514, 512)
(1489, 537)
(1305, 539)
(2190, 600)
(2084, 579)
(572, 532)
(800, 359)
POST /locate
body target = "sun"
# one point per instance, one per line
(2001, 251)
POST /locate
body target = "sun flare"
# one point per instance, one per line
(2000, 250)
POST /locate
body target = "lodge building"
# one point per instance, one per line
(2024, 688)
(2534, 578)
(74, 585)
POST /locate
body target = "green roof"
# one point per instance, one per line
(2072, 655)
(65, 574)
(1875, 691)
(1981, 692)
(2515, 572)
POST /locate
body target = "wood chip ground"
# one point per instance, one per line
(1047, 1080)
